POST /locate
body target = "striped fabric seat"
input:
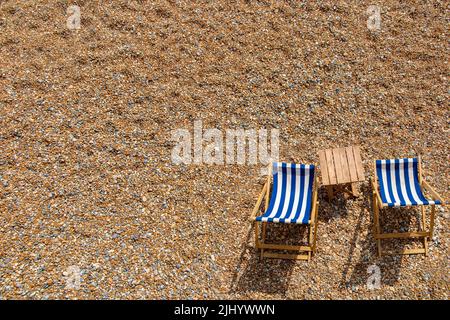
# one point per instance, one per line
(291, 194)
(399, 183)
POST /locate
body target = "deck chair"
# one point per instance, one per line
(401, 185)
(293, 200)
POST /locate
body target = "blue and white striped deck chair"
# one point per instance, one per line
(290, 195)
(400, 185)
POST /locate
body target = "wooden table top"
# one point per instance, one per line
(341, 165)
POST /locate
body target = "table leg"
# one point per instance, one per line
(355, 190)
(346, 189)
(330, 192)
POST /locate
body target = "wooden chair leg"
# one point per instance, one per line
(425, 245)
(310, 240)
(422, 210)
(315, 237)
(376, 218)
(433, 209)
(264, 227)
(310, 236)
(423, 228)
(313, 233)
(379, 247)
(257, 244)
(355, 190)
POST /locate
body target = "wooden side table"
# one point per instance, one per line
(341, 169)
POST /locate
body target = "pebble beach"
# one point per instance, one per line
(92, 205)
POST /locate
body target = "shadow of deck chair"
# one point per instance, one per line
(401, 185)
(293, 200)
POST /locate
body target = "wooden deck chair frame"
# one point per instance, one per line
(425, 235)
(302, 252)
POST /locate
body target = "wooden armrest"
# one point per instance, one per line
(258, 203)
(426, 186)
(375, 191)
